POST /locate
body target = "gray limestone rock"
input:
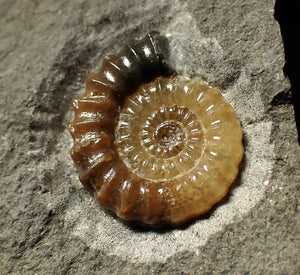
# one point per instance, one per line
(51, 225)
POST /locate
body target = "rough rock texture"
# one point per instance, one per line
(51, 225)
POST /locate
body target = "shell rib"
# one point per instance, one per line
(158, 152)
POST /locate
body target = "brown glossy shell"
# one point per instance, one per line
(162, 153)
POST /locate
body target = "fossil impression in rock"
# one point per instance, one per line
(153, 147)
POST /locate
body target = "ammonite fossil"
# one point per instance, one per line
(154, 147)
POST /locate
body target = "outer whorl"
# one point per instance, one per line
(154, 148)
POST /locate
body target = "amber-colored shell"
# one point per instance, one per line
(160, 152)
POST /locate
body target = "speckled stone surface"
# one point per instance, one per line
(50, 225)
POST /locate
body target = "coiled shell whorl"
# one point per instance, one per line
(153, 147)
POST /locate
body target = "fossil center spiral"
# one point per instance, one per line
(165, 140)
(170, 137)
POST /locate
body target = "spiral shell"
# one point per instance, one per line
(154, 148)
